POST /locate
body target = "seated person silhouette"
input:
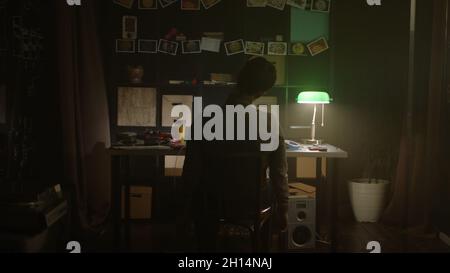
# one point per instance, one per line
(219, 182)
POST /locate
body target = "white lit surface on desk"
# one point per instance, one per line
(304, 151)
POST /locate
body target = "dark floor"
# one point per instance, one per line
(353, 238)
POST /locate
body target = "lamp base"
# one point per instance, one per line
(312, 141)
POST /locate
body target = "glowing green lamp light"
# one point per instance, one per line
(315, 98)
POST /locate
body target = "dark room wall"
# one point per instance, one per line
(370, 81)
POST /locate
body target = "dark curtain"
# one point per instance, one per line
(84, 110)
(422, 173)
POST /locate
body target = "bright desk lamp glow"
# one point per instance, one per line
(315, 98)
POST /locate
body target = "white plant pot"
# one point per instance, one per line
(368, 199)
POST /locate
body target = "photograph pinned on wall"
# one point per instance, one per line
(318, 46)
(168, 103)
(190, 4)
(256, 3)
(148, 46)
(321, 6)
(125, 46)
(234, 47)
(148, 4)
(277, 48)
(298, 49)
(168, 47)
(254, 48)
(191, 47)
(129, 27)
(166, 3)
(276, 4)
(301, 4)
(125, 3)
(211, 44)
(207, 4)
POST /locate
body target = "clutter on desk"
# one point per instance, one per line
(148, 138)
(318, 148)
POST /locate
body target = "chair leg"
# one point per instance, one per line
(267, 236)
(256, 239)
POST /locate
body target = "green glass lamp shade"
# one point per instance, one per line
(313, 97)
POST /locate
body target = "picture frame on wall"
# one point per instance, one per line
(166, 3)
(168, 47)
(125, 3)
(125, 46)
(191, 47)
(136, 107)
(129, 27)
(256, 3)
(169, 102)
(148, 46)
(234, 47)
(148, 4)
(254, 48)
(207, 4)
(298, 49)
(190, 4)
(318, 46)
(276, 4)
(277, 48)
(321, 6)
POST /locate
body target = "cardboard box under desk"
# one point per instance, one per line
(140, 203)
(300, 189)
(173, 166)
(306, 167)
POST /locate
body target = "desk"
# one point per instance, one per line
(121, 155)
(332, 155)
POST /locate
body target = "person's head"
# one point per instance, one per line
(256, 77)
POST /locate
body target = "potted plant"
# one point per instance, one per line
(369, 195)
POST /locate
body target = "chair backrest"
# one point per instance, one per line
(233, 179)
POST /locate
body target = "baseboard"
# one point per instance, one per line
(445, 238)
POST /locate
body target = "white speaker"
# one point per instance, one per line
(301, 221)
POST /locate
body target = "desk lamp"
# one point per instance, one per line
(315, 98)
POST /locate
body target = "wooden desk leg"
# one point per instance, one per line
(116, 201)
(334, 215)
(127, 202)
(320, 193)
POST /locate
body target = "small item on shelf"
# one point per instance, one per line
(127, 138)
(220, 77)
(136, 73)
(171, 34)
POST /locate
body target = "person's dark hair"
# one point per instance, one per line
(257, 76)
